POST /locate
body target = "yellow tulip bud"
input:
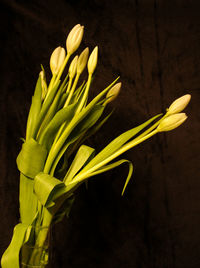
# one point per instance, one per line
(171, 122)
(179, 104)
(73, 67)
(43, 84)
(57, 59)
(74, 38)
(82, 60)
(92, 62)
(113, 92)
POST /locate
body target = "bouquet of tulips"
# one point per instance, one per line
(54, 161)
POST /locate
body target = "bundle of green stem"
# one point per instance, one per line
(59, 122)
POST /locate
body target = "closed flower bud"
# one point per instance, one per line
(179, 104)
(92, 62)
(73, 67)
(57, 59)
(113, 92)
(74, 38)
(82, 60)
(43, 84)
(171, 122)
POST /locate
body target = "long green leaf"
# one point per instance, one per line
(111, 166)
(62, 116)
(35, 109)
(50, 113)
(114, 145)
(45, 107)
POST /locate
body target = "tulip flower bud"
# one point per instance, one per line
(74, 38)
(113, 92)
(179, 104)
(171, 122)
(73, 67)
(57, 59)
(43, 84)
(92, 62)
(82, 60)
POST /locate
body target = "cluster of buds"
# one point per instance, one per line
(58, 60)
(174, 117)
(73, 42)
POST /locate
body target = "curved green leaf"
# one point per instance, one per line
(31, 158)
(45, 186)
(114, 165)
(83, 155)
(118, 142)
(11, 257)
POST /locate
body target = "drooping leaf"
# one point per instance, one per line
(118, 142)
(111, 166)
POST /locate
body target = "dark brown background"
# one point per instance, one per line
(155, 47)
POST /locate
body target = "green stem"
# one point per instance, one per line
(62, 67)
(72, 90)
(64, 83)
(85, 94)
(69, 84)
(150, 129)
(50, 86)
(66, 104)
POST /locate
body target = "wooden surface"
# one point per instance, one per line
(155, 47)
